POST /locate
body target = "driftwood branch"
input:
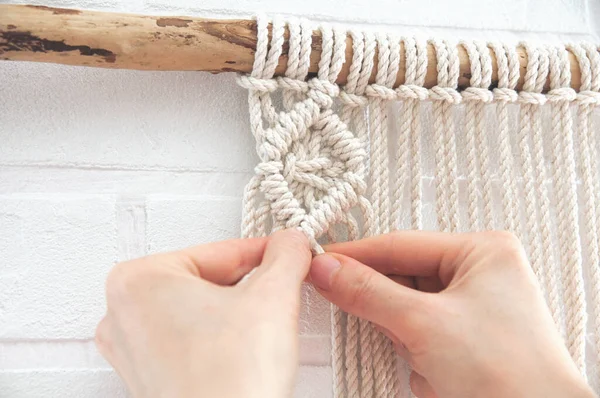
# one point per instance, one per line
(127, 41)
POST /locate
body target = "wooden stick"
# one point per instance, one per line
(127, 41)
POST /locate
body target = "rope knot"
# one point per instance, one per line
(445, 94)
(505, 95)
(382, 92)
(562, 94)
(412, 91)
(527, 97)
(588, 97)
(292, 84)
(477, 94)
(324, 87)
(353, 100)
(256, 84)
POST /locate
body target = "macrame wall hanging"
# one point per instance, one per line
(345, 161)
(325, 162)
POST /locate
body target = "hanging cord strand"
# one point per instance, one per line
(485, 97)
(380, 190)
(352, 103)
(365, 328)
(391, 359)
(587, 99)
(444, 95)
(561, 95)
(472, 114)
(531, 99)
(508, 75)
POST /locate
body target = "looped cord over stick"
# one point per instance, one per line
(315, 161)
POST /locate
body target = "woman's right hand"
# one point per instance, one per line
(464, 310)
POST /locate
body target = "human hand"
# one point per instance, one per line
(464, 310)
(177, 325)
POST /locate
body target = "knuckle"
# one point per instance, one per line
(502, 237)
(122, 280)
(507, 247)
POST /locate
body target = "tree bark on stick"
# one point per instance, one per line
(128, 41)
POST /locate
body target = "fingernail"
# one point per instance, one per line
(322, 269)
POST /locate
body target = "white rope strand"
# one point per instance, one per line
(315, 161)
(508, 76)
(444, 95)
(560, 96)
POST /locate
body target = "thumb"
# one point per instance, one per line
(285, 263)
(364, 292)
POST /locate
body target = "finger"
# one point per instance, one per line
(415, 253)
(420, 387)
(387, 333)
(225, 262)
(407, 281)
(430, 284)
(362, 291)
(285, 263)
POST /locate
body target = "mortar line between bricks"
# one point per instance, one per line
(131, 223)
(60, 355)
(119, 167)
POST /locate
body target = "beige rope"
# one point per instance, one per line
(315, 162)
(444, 95)
(561, 95)
(508, 76)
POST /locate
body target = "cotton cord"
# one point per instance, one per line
(560, 96)
(444, 95)
(588, 97)
(324, 162)
(504, 94)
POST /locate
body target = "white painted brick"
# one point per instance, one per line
(175, 222)
(61, 383)
(313, 382)
(118, 119)
(25, 179)
(67, 383)
(54, 257)
(36, 354)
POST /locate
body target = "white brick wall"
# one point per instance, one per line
(98, 166)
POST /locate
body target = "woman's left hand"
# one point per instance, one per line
(180, 325)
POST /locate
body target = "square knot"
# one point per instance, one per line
(312, 169)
